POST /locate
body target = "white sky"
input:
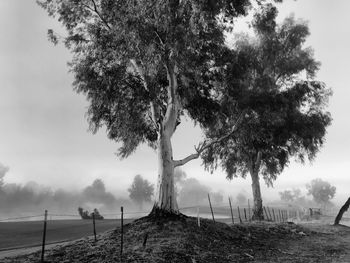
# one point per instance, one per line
(44, 137)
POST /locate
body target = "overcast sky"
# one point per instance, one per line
(44, 134)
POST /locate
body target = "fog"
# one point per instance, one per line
(32, 198)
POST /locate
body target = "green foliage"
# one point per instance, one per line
(141, 190)
(321, 191)
(284, 114)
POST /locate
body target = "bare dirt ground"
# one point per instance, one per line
(181, 240)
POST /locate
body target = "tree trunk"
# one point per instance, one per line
(165, 195)
(165, 202)
(258, 207)
(342, 210)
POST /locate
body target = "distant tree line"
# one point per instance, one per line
(322, 192)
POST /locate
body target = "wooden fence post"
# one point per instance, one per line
(281, 218)
(198, 220)
(44, 238)
(122, 233)
(239, 215)
(249, 210)
(211, 208)
(267, 216)
(268, 210)
(245, 214)
(94, 225)
(229, 200)
(274, 217)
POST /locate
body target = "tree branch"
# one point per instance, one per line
(95, 10)
(258, 161)
(204, 145)
(160, 39)
(139, 71)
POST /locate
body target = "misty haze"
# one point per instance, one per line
(174, 131)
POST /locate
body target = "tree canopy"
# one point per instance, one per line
(124, 52)
(284, 114)
(141, 190)
(321, 191)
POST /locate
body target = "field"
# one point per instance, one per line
(30, 233)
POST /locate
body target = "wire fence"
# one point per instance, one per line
(219, 210)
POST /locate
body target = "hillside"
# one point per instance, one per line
(181, 240)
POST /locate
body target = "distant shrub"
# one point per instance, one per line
(85, 214)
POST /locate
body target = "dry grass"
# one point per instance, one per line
(181, 240)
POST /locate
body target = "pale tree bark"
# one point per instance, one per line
(165, 198)
(165, 201)
(165, 194)
(258, 213)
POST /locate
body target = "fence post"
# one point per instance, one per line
(245, 214)
(274, 217)
(198, 220)
(239, 215)
(212, 213)
(249, 210)
(268, 210)
(44, 238)
(281, 218)
(94, 225)
(267, 216)
(122, 234)
(229, 200)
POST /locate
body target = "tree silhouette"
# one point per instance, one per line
(321, 191)
(284, 114)
(141, 190)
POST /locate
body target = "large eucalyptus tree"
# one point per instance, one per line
(142, 64)
(273, 82)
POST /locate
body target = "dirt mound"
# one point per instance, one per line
(179, 239)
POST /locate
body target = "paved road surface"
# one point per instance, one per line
(24, 251)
